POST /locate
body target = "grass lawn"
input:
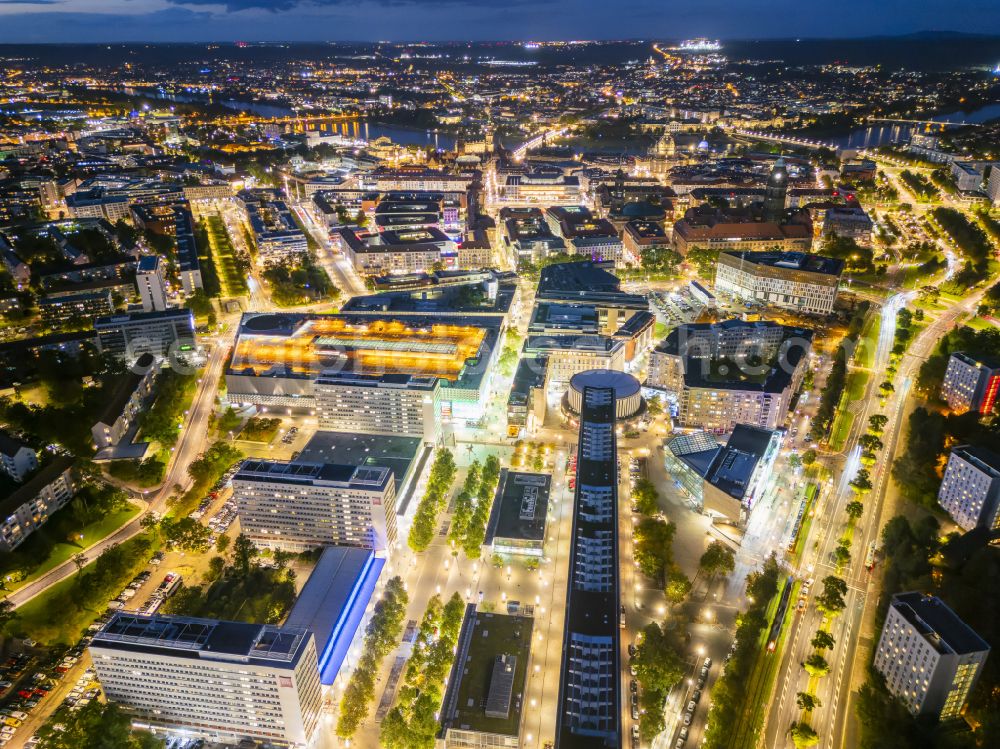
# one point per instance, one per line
(764, 672)
(59, 615)
(854, 390)
(865, 355)
(91, 533)
(224, 257)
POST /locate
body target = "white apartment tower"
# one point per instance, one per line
(970, 489)
(378, 404)
(222, 681)
(299, 506)
(929, 657)
(152, 287)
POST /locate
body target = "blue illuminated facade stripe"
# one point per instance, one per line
(334, 651)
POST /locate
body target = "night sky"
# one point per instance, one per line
(362, 20)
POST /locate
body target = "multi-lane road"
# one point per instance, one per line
(832, 720)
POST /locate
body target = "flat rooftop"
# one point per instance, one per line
(733, 466)
(938, 623)
(800, 261)
(484, 637)
(307, 473)
(520, 507)
(433, 345)
(190, 637)
(364, 450)
(333, 602)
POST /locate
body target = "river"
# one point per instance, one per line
(886, 133)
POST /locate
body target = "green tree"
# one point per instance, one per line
(98, 725)
(816, 665)
(877, 422)
(809, 457)
(645, 497)
(718, 559)
(803, 736)
(822, 640)
(854, 509)
(244, 553)
(861, 483)
(807, 701)
(658, 664)
(653, 547)
(831, 600)
(870, 442)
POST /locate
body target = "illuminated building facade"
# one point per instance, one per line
(366, 372)
(970, 489)
(971, 383)
(929, 657)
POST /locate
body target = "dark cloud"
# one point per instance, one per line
(280, 6)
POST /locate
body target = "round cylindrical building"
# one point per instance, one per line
(628, 392)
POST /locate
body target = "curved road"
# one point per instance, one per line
(189, 446)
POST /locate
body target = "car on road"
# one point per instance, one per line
(687, 719)
(684, 733)
(633, 686)
(691, 706)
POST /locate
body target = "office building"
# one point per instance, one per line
(296, 506)
(970, 489)
(971, 383)
(726, 481)
(167, 334)
(485, 697)
(929, 657)
(727, 234)
(517, 518)
(378, 404)
(16, 460)
(797, 281)
(589, 703)
(540, 187)
(968, 175)
(120, 413)
(30, 506)
(221, 681)
(149, 277)
(641, 234)
(592, 284)
(733, 372)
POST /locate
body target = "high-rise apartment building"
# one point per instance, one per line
(378, 404)
(222, 681)
(971, 383)
(970, 489)
(589, 707)
(929, 657)
(149, 277)
(299, 506)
